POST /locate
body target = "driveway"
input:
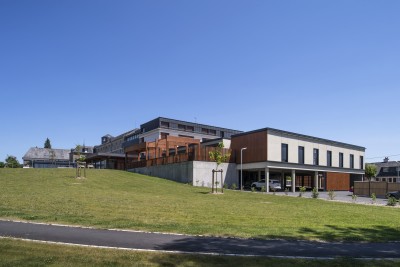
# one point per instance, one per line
(196, 244)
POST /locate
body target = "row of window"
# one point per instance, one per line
(285, 157)
(190, 128)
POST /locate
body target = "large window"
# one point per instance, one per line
(285, 155)
(329, 158)
(351, 161)
(340, 160)
(316, 156)
(301, 154)
(361, 162)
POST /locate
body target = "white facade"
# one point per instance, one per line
(275, 142)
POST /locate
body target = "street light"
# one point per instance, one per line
(241, 167)
(398, 165)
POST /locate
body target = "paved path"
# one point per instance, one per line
(195, 244)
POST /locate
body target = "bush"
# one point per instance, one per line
(253, 189)
(331, 194)
(302, 190)
(233, 186)
(391, 201)
(315, 193)
(354, 197)
(263, 189)
(373, 198)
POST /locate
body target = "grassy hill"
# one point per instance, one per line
(118, 199)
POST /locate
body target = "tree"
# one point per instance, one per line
(12, 162)
(47, 143)
(370, 171)
(2, 164)
(218, 156)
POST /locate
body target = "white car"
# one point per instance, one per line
(273, 184)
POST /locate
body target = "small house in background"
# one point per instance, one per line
(47, 158)
(82, 151)
(387, 171)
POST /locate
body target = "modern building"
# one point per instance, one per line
(387, 171)
(314, 162)
(164, 139)
(47, 158)
(110, 153)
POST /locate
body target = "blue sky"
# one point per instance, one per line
(74, 71)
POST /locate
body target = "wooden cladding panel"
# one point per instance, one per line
(337, 181)
(256, 144)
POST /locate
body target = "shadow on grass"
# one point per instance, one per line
(335, 233)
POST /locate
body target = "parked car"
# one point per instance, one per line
(273, 184)
(395, 194)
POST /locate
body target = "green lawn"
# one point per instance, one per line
(118, 199)
(23, 253)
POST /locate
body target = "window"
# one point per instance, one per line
(190, 128)
(301, 154)
(361, 162)
(316, 156)
(222, 134)
(340, 160)
(213, 132)
(351, 161)
(164, 135)
(329, 158)
(204, 130)
(284, 152)
(165, 124)
(181, 127)
(385, 169)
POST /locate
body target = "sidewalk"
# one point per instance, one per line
(340, 196)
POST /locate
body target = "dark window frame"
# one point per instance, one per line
(341, 156)
(329, 158)
(301, 154)
(351, 161)
(284, 152)
(316, 156)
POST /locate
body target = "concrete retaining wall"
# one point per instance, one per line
(196, 173)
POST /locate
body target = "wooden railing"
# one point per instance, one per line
(193, 154)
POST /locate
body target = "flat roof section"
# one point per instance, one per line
(302, 136)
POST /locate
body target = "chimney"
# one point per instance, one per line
(386, 160)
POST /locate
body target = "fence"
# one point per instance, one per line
(379, 188)
(193, 154)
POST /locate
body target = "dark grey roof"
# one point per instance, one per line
(36, 153)
(305, 137)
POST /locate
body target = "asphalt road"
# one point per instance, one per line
(196, 244)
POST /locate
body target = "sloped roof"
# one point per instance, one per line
(37, 153)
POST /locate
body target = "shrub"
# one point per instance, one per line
(391, 201)
(233, 186)
(315, 193)
(354, 197)
(373, 198)
(253, 189)
(331, 194)
(263, 189)
(302, 190)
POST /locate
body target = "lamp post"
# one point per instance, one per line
(241, 167)
(398, 166)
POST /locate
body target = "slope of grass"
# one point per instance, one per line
(118, 199)
(23, 253)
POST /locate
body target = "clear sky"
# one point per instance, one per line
(74, 71)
